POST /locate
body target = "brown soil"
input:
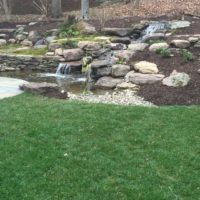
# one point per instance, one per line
(164, 95)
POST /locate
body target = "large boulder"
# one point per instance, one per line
(3, 42)
(156, 46)
(146, 67)
(142, 79)
(120, 70)
(73, 54)
(180, 43)
(100, 63)
(27, 43)
(20, 37)
(124, 55)
(122, 32)
(104, 71)
(89, 45)
(138, 46)
(108, 82)
(46, 89)
(34, 36)
(176, 79)
(153, 36)
(179, 24)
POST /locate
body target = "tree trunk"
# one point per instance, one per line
(85, 9)
(7, 9)
(56, 8)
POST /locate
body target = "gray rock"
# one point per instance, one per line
(100, 63)
(27, 43)
(107, 82)
(193, 40)
(179, 24)
(154, 36)
(176, 79)
(142, 79)
(126, 85)
(34, 36)
(41, 42)
(54, 46)
(50, 39)
(20, 37)
(46, 89)
(73, 54)
(181, 43)
(138, 46)
(89, 45)
(120, 70)
(123, 40)
(86, 28)
(122, 32)
(124, 55)
(12, 41)
(116, 46)
(3, 36)
(197, 45)
(3, 42)
(103, 71)
(156, 46)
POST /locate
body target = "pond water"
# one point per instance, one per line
(74, 83)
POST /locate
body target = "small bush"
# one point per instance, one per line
(186, 55)
(165, 53)
(68, 28)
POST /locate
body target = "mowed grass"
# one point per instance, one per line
(60, 150)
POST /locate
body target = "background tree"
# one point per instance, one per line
(85, 9)
(6, 6)
(56, 8)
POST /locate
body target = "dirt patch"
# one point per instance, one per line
(164, 95)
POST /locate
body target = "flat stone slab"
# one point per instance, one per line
(9, 87)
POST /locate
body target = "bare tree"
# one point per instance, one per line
(85, 9)
(43, 6)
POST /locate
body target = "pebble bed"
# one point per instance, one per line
(126, 97)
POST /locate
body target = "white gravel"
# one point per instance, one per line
(126, 97)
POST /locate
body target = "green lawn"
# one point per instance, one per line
(59, 150)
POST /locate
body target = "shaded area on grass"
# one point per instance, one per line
(54, 149)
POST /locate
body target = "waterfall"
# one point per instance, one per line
(63, 69)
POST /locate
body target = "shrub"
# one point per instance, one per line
(165, 53)
(68, 28)
(186, 55)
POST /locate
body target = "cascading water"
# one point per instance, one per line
(63, 69)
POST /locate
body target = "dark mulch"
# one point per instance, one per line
(163, 95)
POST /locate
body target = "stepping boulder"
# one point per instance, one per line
(179, 24)
(142, 79)
(45, 89)
(146, 67)
(176, 79)
(108, 82)
(120, 70)
(116, 46)
(181, 43)
(73, 54)
(153, 36)
(103, 71)
(138, 46)
(156, 46)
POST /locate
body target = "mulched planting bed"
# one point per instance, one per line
(164, 95)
